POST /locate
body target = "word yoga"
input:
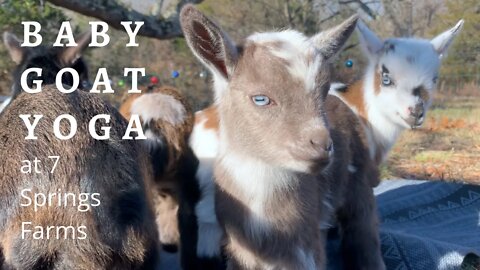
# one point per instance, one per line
(134, 125)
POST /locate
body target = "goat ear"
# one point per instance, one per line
(330, 42)
(443, 41)
(208, 42)
(17, 52)
(69, 55)
(369, 41)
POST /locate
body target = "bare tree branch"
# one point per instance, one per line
(363, 6)
(113, 13)
(349, 47)
(330, 17)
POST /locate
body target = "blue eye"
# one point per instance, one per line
(386, 81)
(261, 100)
(435, 79)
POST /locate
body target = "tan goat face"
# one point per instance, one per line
(273, 111)
(270, 92)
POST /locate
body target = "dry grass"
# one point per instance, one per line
(446, 148)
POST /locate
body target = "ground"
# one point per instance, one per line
(447, 147)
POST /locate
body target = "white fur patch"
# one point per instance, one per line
(352, 169)
(383, 131)
(209, 240)
(5, 103)
(209, 231)
(335, 86)
(327, 219)
(153, 141)
(205, 208)
(296, 49)
(203, 141)
(307, 259)
(154, 106)
(255, 182)
(450, 261)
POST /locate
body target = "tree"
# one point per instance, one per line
(12, 13)
(113, 13)
(463, 61)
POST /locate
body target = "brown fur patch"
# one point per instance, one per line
(376, 83)
(211, 115)
(354, 96)
(355, 99)
(127, 102)
(422, 93)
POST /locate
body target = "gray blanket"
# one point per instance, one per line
(428, 225)
(424, 226)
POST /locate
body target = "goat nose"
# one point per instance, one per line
(420, 114)
(322, 142)
(416, 111)
(420, 110)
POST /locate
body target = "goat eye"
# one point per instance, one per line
(435, 79)
(386, 81)
(261, 100)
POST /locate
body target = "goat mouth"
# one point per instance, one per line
(315, 163)
(413, 122)
(313, 156)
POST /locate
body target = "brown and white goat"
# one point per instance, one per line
(398, 86)
(167, 121)
(120, 229)
(277, 176)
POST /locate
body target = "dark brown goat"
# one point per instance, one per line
(120, 230)
(50, 59)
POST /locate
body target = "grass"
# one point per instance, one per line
(447, 147)
(435, 156)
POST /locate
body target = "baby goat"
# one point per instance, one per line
(277, 176)
(50, 59)
(120, 229)
(397, 88)
(167, 121)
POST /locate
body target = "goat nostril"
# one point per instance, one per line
(325, 145)
(329, 146)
